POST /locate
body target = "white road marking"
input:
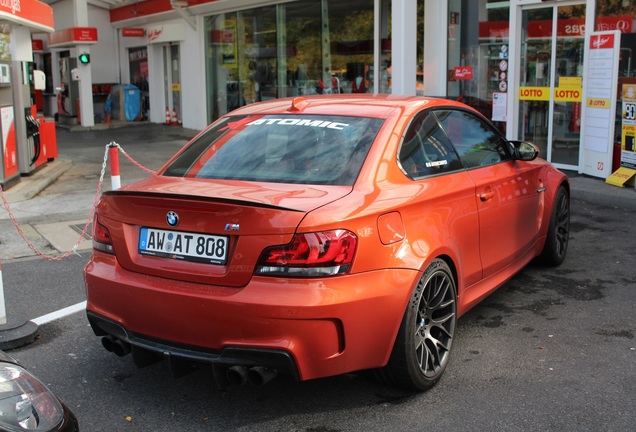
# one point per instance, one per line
(60, 313)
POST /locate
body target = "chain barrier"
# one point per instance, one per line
(73, 250)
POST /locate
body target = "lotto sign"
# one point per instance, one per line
(567, 95)
(561, 94)
(534, 93)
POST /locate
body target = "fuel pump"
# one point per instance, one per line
(33, 135)
(9, 174)
(31, 153)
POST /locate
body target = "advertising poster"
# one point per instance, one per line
(499, 106)
(628, 133)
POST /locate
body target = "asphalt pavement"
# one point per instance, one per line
(51, 207)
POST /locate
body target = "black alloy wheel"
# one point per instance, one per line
(558, 237)
(422, 348)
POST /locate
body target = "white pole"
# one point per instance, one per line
(3, 309)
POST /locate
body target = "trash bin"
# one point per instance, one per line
(124, 102)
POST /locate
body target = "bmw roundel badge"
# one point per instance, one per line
(172, 218)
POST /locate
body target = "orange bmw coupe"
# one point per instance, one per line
(316, 236)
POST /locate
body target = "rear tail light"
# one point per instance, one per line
(317, 254)
(101, 237)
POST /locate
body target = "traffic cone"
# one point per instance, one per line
(167, 116)
(175, 121)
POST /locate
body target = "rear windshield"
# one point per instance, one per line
(325, 150)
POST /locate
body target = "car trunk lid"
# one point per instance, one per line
(205, 231)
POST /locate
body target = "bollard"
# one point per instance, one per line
(3, 309)
(16, 332)
(113, 154)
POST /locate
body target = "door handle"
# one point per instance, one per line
(487, 195)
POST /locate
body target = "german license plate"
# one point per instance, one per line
(183, 245)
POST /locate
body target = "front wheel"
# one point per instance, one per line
(422, 347)
(556, 242)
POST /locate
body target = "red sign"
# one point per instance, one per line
(37, 45)
(73, 36)
(624, 24)
(133, 32)
(572, 27)
(154, 33)
(29, 13)
(463, 73)
(605, 41)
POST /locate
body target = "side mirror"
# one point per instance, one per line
(523, 150)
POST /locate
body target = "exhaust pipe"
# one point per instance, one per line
(237, 375)
(107, 343)
(121, 348)
(260, 375)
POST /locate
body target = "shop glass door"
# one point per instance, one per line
(551, 81)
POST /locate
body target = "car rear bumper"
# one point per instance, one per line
(230, 356)
(308, 328)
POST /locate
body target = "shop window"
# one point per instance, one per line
(478, 53)
(294, 48)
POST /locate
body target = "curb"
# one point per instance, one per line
(36, 182)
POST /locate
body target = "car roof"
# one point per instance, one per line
(359, 105)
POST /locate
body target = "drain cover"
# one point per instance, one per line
(80, 227)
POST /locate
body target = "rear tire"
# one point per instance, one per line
(422, 347)
(556, 242)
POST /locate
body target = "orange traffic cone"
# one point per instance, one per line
(167, 116)
(175, 121)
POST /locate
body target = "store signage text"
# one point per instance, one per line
(561, 94)
(154, 33)
(463, 73)
(32, 13)
(598, 103)
(37, 45)
(602, 41)
(12, 5)
(73, 36)
(133, 32)
(165, 33)
(573, 27)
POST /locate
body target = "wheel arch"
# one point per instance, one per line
(453, 268)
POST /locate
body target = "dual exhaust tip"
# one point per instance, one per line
(238, 375)
(116, 346)
(258, 375)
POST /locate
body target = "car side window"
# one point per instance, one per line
(476, 142)
(426, 150)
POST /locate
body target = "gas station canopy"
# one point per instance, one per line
(33, 14)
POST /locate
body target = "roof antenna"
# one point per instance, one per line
(298, 104)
